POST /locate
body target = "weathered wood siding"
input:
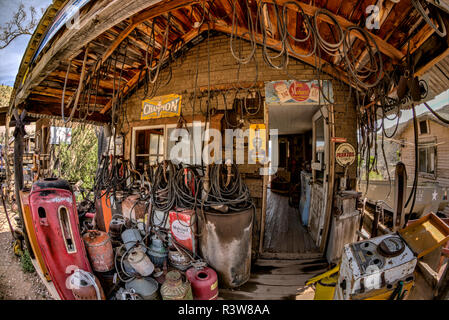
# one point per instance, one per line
(440, 134)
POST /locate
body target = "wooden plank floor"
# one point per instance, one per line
(276, 280)
(284, 232)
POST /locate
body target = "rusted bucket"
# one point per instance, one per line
(226, 245)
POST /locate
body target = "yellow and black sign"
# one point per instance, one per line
(257, 143)
(161, 107)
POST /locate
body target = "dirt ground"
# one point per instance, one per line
(15, 284)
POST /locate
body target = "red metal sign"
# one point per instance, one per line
(338, 140)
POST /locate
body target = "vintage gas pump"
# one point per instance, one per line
(383, 267)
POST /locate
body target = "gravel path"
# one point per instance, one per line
(15, 284)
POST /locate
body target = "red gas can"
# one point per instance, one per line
(204, 283)
(183, 228)
(55, 220)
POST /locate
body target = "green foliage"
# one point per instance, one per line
(25, 261)
(78, 161)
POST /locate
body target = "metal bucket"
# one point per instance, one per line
(226, 245)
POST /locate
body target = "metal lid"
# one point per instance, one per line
(95, 238)
(173, 277)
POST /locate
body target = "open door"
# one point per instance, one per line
(320, 175)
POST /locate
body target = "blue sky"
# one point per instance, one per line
(438, 102)
(11, 56)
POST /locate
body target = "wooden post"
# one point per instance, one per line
(19, 133)
(5, 154)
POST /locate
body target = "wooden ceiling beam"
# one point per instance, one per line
(339, 74)
(134, 80)
(310, 10)
(135, 21)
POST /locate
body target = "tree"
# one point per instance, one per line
(23, 22)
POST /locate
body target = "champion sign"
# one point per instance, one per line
(161, 107)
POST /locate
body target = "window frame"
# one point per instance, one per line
(166, 138)
(427, 126)
(423, 145)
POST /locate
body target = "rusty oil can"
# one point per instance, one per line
(174, 288)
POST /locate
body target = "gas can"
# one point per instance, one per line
(174, 288)
(56, 223)
(140, 262)
(83, 288)
(204, 283)
(178, 259)
(132, 208)
(116, 226)
(99, 249)
(131, 237)
(183, 228)
(157, 251)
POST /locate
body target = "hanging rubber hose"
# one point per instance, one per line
(422, 12)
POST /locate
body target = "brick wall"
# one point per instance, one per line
(224, 71)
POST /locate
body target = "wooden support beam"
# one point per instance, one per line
(151, 13)
(431, 63)
(383, 45)
(108, 12)
(243, 33)
(134, 80)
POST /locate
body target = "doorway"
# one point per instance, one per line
(296, 191)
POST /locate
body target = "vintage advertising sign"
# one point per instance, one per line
(338, 139)
(257, 151)
(161, 107)
(345, 154)
(296, 92)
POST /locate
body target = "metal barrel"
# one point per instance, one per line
(225, 244)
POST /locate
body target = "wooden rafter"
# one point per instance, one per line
(384, 47)
(134, 80)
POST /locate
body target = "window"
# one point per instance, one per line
(149, 147)
(66, 229)
(152, 144)
(427, 159)
(423, 127)
(193, 144)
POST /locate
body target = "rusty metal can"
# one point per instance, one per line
(174, 288)
(116, 226)
(99, 249)
(140, 262)
(179, 260)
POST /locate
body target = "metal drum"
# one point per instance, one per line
(226, 245)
